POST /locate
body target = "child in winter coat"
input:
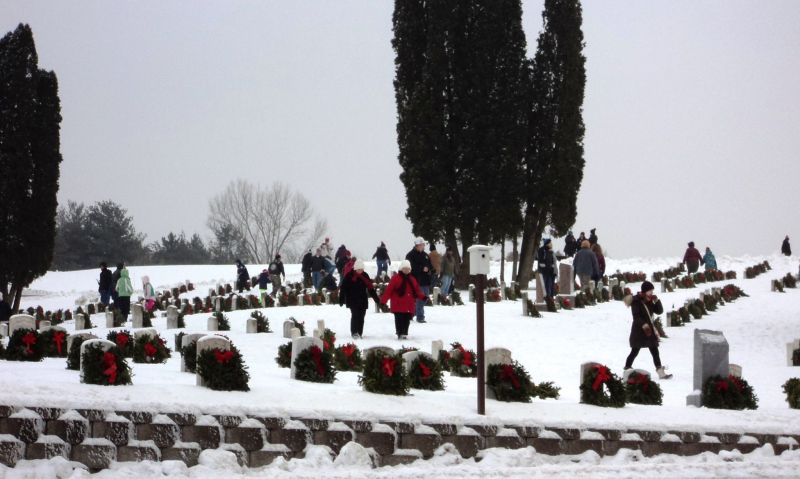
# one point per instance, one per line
(149, 294)
(709, 260)
(354, 290)
(403, 290)
(124, 290)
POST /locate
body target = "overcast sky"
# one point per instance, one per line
(692, 114)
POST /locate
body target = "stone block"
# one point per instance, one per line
(206, 433)
(11, 450)
(250, 434)
(269, 453)
(400, 457)
(95, 453)
(47, 413)
(424, 439)
(579, 446)
(609, 434)
(116, 429)
(691, 449)
(228, 420)
(92, 414)
(445, 429)
(523, 431)
(568, 434)
(271, 422)
(47, 447)
(627, 441)
(71, 427)
(726, 437)
(25, 425)
(182, 418)
(242, 456)
(549, 445)
(687, 437)
(400, 427)
(294, 435)
(506, 438)
(382, 438)
(186, 452)
(137, 417)
(648, 436)
(467, 441)
(162, 431)
(337, 435)
(314, 424)
(137, 451)
(358, 425)
(6, 411)
(486, 429)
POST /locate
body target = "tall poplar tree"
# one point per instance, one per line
(30, 118)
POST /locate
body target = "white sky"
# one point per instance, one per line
(692, 114)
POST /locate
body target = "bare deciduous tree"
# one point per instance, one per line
(269, 220)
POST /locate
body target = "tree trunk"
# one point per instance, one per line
(502, 260)
(514, 258)
(531, 234)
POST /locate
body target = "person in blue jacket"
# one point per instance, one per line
(709, 260)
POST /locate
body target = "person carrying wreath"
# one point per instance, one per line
(643, 331)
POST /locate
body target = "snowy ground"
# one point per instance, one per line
(551, 348)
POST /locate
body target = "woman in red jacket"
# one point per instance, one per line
(403, 290)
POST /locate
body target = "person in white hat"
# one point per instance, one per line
(421, 269)
(355, 289)
(402, 290)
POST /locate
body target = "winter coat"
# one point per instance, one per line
(420, 260)
(306, 265)
(328, 282)
(105, 280)
(341, 252)
(356, 289)
(317, 264)
(381, 254)
(593, 239)
(341, 262)
(403, 290)
(263, 280)
(124, 286)
(115, 278)
(436, 260)
(585, 262)
(327, 250)
(147, 289)
(786, 248)
(546, 260)
(448, 265)
(241, 273)
(276, 268)
(642, 312)
(570, 246)
(601, 263)
(709, 260)
(692, 255)
(5, 310)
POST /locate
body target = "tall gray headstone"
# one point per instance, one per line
(539, 288)
(299, 345)
(287, 329)
(212, 324)
(566, 282)
(104, 344)
(208, 343)
(20, 321)
(138, 315)
(172, 317)
(252, 326)
(710, 359)
(109, 319)
(436, 346)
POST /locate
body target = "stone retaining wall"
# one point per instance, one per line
(97, 438)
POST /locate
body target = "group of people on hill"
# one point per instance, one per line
(117, 286)
(588, 263)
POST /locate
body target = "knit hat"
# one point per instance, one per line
(691, 244)
(419, 240)
(405, 264)
(359, 264)
(647, 286)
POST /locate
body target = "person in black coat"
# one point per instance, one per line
(328, 281)
(570, 245)
(318, 265)
(263, 281)
(546, 261)
(592, 237)
(277, 273)
(643, 331)
(305, 268)
(785, 247)
(354, 291)
(104, 284)
(381, 256)
(5, 309)
(242, 276)
(421, 268)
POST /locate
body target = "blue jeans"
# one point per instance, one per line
(330, 267)
(447, 283)
(549, 284)
(316, 278)
(383, 266)
(105, 296)
(420, 313)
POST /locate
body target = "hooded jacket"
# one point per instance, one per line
(403, 290)
(124, 286)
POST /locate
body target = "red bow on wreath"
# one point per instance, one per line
(122, 340)
(466, 356)
(736, 381)
(348, 350)
(316, 356)
(602, 376)
(640, 379)
(426, 371)
(508, 373)
(110, 362)
(325, 345)
(388, 366)
(150, 350)
(223, 357)
(29, 340)
(722, 385)
(58, 338)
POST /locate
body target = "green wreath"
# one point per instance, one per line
(792, 390)
(262, 323)
(284, 357)
(728, 393)
(147, 318)
(223, 370)
(182, 318)
(106, 368)
(54, 343)
(189, 353)
(74, 354)
(314, 365)
(150, 349)
(695, 311)
(222, 321)
(510, 382)
(425, 373)
(299, 325)
(463, 362)
(124, 341)
(640, 389)
(347, 357)
(593, 392)
(384, 374)
(444, 360)
(24, 345)
(789, 281)
(328, 340)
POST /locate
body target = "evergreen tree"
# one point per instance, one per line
(227, 246)
(176, 249)
(554, 156)
(30, 115)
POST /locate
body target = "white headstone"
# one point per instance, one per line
(436, 292)
(566, 280)
(410, 356)
(44, 325)
(186, 340)
(80, 322)
(287, 329)
(472, 293)
(299, 345)
(218, 303)
(294, 333)
(321, 325)
(3, 329)
(104, 344)
(71, 338)
(613, 282)
(138, 315)
(436, 346)
(735, 370)
(300, 300)
(208, 343)
(626, 374)
(172, 317)
(212, 324)
(524, 303)
(497, 356)
(150, 332)
(252, 326)
(386, 350)
(109, 319)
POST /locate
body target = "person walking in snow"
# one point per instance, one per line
(692, 258)
(263, 284)
(449, 270)
(601, 259)
(546, 261)
(276, 273)
(104, 286)
(114, 280)
(242, 276)
(592, 237)
(124, 290)
(585, 265)
(149, 294)
(785, 247)
(709, 260)
(381, 256)
(327, 253)
(643, 331)
(570, 245)
(341, 260)
(355, 289)
(404, 293)
(318, 265)
(421, 269)
(305, 268)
